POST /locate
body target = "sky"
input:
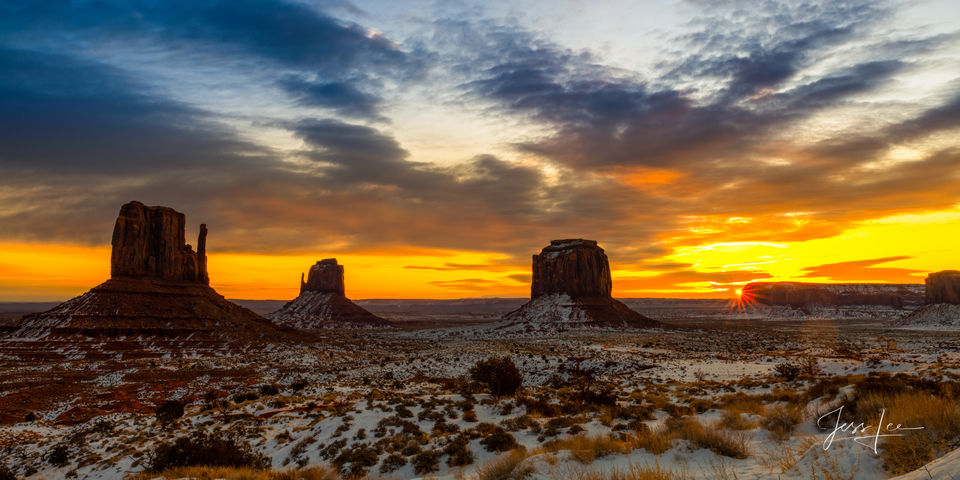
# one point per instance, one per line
(433, 146)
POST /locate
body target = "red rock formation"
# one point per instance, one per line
(158, 288)
(324, 276)
(322, 304)
(798, 294)
(576, 267)
(148, 242)
(943, 287)
(571, 288)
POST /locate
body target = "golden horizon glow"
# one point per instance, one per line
(895, 249)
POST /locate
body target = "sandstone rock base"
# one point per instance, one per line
(149, 307)
(317, 310)
(558, 312)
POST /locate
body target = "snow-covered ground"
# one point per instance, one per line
(397, 396)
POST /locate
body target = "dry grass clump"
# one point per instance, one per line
(506, 467)
(719, 441)
(780, 458)
(633, 472)
(938, 415)
(586, 448)
(737, 421)
(231, 473)
(782, 420)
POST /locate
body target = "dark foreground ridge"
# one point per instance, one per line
(571, 288)
(322, 304)
(158, 288)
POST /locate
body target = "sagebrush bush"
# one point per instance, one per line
(498, 375)
(210, 449)
(392, 463)
(6, 473)
(59, 456)
(426, 462)
(458, 452)
(499, 441)
(787, 371)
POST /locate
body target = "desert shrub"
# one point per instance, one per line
(267, 390)
(30, 417)
(299, 384)
(201, 448)
(458, 452)
(499, 441)
(809, 365)
(787, 371)
(59, 456)
(506, 467)
(354, 461)
(169, 411)
(392, 463)
(328, 452)
(102, 426)
(443, 427)
(403, 411)
(498, 375)
(6, 473)
(554, 425)
(518, 423)
(426, 462)
(541, 407)
(781, 421)
(239, 398)
(470, 416)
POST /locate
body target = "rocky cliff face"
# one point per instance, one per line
(798, 294)
(575, 267)
(158, 289)
(571, 289)
(326, 276)
(148, 242)
(943, 287)
(322, 304)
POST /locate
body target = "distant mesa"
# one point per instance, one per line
(322, 304)
(942, 308)
(571, 288)
(943, 287)
(158, 286)
(804, 295)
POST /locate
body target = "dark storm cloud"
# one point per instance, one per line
(604, 118)
(80, 138)
(63, 113)
(761, 45)
(747, 81)
(344, 58)
(342, 97)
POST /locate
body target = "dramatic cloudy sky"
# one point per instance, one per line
(433, 146)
